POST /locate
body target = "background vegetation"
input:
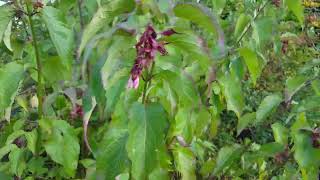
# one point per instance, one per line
(159, 89)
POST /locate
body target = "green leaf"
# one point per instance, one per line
(6, 149)
(226, 156)
(17, 161)
(36, 165)
(242, 22)
(104, 16)
(300, 123)
(112, 158)
(54, 70)
(32, 140)
(266, 107)
(293, 85)
(202, 120)
(245, 120)
(182, 85)
(147, 127)
(254, 64)
(159, 174)
(183, 124)
(262, 31)
(189, 44)
(316, 86)
(14, 136)
(218, 5)
(7, 36)
(199, 15)
(280, 133)
(115, 87)
(270, 149)
(61, 144)
(297, 8)
(10, 78)
(207, 167)
(6, 13)
(305, 155)
(123, 176)
(232, 92)
(61, 35)
(185, 162)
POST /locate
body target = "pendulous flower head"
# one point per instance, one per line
(146, 48)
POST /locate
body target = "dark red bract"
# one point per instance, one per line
(77, 112)
(146, 50)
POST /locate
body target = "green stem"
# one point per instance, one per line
(147, 83)
(40, 87)
(250, 24)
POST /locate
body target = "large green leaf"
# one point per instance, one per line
(226, 156)
(185, 163)
(191, 45)
(10, 77)
(103, 17)
(254, 64)
(112, 158)
(61, 144)
(262, 31)
(17, 161)
(245, 120)
(199, 15)
(266, 107)
(61, 35)
(54, 70)
(232, 92)
(183, 87)
(297, 8)
(147, 127)
(6, 13)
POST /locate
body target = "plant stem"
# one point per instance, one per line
(40, 87)
(147, 83)
(250, 24)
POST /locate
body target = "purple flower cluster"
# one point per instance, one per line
(146, 50)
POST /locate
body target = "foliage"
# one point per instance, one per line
(159, 89)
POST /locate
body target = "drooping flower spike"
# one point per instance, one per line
(146, 50)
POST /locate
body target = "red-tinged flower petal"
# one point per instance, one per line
(161, 49)
(168, 32)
